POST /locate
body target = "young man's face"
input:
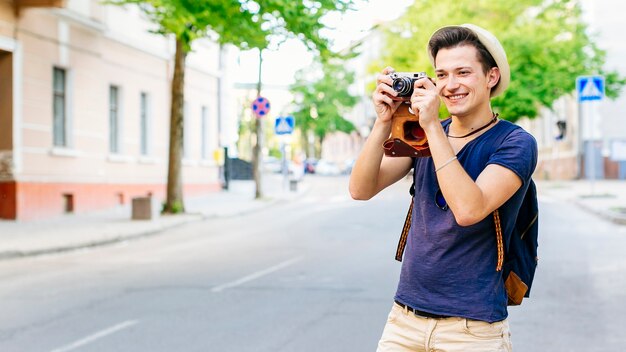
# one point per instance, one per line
(461, 82)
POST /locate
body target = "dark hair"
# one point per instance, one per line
(451, 37)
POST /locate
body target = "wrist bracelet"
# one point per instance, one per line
(446, 163)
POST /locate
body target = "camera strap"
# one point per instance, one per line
(407, 226)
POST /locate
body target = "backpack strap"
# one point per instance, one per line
(405, 233)
(496, 213)
(499, 240)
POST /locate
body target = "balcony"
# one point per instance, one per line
(22, 4)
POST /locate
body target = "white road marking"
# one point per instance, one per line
(256, 275)
(98, 335)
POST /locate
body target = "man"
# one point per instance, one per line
(450, 296)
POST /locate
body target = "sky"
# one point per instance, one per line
(605, 19)
(279, 67)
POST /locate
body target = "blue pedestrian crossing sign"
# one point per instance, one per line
(284, 124)
(590, 88)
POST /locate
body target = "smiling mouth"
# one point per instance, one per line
(456, 97)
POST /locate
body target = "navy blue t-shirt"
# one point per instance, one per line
(449, 269)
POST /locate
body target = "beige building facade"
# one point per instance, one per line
(84, 109)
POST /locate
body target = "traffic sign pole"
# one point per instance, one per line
(284, 168)
(591, 147)
(283, 127)
(590, 90)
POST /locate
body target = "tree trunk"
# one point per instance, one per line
(310, 143)
(174, 202)
(304, 140)
(318, 146)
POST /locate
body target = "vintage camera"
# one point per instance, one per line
(407, 136)
(403, 82)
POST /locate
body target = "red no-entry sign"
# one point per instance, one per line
(260, 107)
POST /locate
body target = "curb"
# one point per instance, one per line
(609, 215)
(577, 197)
(192, 218)
(8, 255)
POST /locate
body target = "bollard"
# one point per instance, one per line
(143, 208)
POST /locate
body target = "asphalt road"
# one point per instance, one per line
(315, 274)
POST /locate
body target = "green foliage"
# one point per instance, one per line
(176, 208)
(275, 152)
(244, 23)
(547, 45)
(321, 102)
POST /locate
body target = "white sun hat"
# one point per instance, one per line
(496, 50)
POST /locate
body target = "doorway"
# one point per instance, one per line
(6, 101)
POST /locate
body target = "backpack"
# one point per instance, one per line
(521, 256)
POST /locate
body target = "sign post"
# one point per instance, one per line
(284, 126)
(260, 108)
(590, 90)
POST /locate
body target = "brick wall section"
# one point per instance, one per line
(29, 201)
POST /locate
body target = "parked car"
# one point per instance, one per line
(309, 165)
(272, 164)
(347, 166)
(327, 168)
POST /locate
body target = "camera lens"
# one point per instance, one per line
(402, 85)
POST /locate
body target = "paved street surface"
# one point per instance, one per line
(577, 299)
(313, 274)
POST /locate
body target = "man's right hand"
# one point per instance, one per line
(372, 172)
(384, 105)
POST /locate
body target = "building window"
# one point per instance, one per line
(145, 124)
(204, 132)
(59, 106)
(114, 120)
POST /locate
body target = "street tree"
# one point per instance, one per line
(322, 98)
(547, 43)
(246, 24)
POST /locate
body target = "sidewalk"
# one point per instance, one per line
(76, 231)
(605, 198)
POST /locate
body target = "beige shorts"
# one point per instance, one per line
(405, 331)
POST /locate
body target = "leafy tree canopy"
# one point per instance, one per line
(547, 45)
(244, 23)
(321, 101)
